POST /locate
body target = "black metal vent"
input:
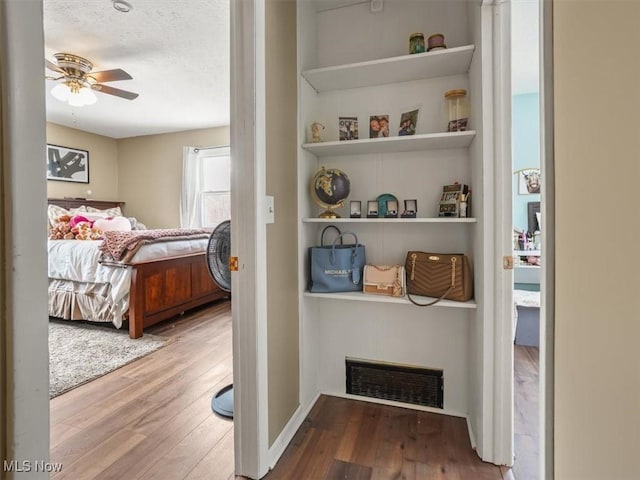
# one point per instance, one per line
(400, 383)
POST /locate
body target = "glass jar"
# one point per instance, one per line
(457, 108)
(416, 43)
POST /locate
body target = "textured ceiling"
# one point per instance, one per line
(177, 52)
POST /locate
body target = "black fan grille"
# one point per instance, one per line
(218, 252)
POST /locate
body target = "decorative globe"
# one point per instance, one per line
(329, 189)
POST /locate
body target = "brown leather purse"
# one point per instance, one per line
(442, 276)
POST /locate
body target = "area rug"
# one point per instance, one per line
(79, 353)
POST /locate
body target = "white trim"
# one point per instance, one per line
(288, 432)
(503, 333)
(472, 436)
(547, 354)
(391, 403)
(25, 421)
(247, 191)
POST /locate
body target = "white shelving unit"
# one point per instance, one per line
(442, 220)
(413, 143)
(363, 297)
(440, 63)
(349, 82)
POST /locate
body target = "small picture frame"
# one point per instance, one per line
(372, 209)
(348, 128)
(355, 209)
(529, 181)
(408, 123)
(378, 126)
(410, 209)
(392, 209)
(67, 164)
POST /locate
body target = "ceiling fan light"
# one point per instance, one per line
(87, 96)
(61, 92)
(76, 101)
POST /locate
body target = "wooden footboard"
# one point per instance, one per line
(161, 289)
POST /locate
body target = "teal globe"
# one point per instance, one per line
(330, 187)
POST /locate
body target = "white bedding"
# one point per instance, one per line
(80, 287)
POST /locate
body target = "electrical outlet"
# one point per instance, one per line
(376, 6)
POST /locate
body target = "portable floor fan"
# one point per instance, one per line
(218, 252)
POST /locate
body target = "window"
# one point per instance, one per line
(216, 186)
(206, 187)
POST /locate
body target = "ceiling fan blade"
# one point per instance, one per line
(114, 91)
(110, 75)
(52, 66)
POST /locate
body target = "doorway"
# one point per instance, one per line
(527, 236)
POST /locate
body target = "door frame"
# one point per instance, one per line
(248, 238)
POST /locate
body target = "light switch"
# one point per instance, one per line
(269, 210)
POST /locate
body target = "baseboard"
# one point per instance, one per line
(289, 430)
(391, 403)
(472, 437)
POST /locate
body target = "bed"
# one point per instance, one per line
(160, 280)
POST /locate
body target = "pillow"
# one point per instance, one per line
(112, 224)
(54, 212)
(93, 216)
(135, 224)
(111, 212)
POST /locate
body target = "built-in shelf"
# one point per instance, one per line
(409, 143)
(390, 220)
(440, 63)
(364, 297)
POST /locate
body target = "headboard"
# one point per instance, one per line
(532, 220)
(70, 203)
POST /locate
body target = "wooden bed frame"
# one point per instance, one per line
(160, 289)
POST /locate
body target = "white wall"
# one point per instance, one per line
(597, 166)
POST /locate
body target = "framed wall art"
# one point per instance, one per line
(529, 181)
(67, 164)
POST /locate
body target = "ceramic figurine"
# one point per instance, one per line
(315, 132)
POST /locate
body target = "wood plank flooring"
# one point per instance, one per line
(152, 419)
(348, 439)
(526, 414)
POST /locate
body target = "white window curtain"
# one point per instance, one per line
(190, 201)
(206, 185)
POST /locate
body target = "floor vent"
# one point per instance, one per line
(400, 383)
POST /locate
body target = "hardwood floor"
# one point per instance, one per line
(152, 419)
(349, 439)
(526, 367)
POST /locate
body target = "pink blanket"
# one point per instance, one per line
(121, 246)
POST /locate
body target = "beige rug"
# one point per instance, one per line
(79, 352)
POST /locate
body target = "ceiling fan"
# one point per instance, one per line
(79, 82)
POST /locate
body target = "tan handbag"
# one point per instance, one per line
(442, 276)
(384, 280)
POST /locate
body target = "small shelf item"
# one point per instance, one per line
(384, 201)
(372, 209)
(392, 209)
(355, 209)
(410, 209)
(330, 188)
(451, 198)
